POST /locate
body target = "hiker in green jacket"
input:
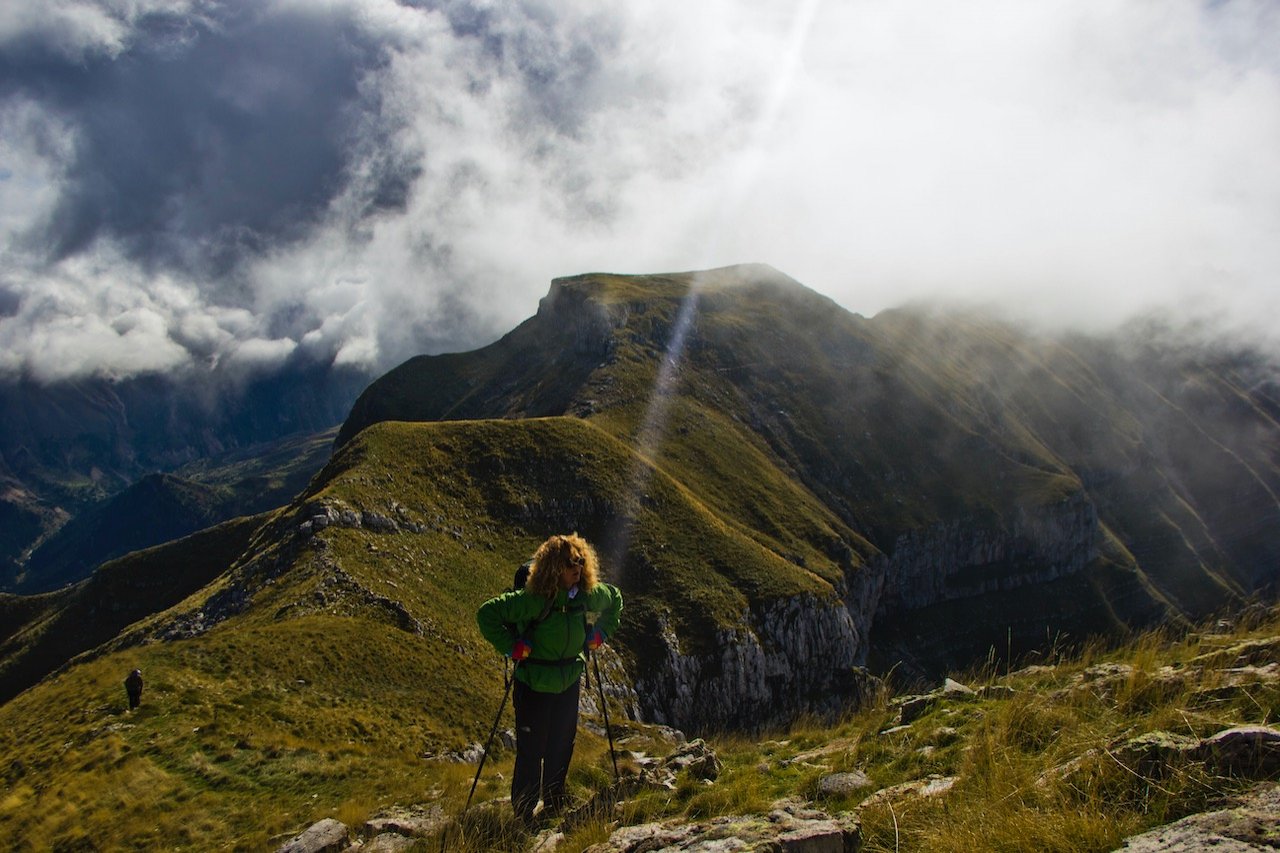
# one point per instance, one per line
(548, 627)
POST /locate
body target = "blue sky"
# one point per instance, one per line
(186, 184)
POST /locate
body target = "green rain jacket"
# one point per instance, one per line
(557, 659)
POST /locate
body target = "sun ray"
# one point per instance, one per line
(652, 430)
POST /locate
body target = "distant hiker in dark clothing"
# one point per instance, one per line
(547, 628)
(133, 685)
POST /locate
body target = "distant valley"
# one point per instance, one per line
(93, 469)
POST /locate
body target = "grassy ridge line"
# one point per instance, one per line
(507, 484)
(305, 705)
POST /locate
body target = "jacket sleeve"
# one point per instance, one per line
(606, 600)
(498, 619)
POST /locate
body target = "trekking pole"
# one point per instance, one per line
(510, 681)
(604, 708)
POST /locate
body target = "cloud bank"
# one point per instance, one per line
(196, 184)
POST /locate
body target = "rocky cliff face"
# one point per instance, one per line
(966, 558)
(793, 655)
(807, 654)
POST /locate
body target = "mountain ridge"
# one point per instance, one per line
(792, 498)
(903, 447)
(961, 420)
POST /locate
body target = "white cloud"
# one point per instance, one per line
(34, 146)
(1073, 160)
(95, 315)
(260, 355)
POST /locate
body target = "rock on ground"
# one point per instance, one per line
(789, 828)
(327, 836)
(1244, 751)
(387, 842)
(843, 784)
(412, 822)
(1251, 827)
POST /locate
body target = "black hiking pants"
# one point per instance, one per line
(546, 724)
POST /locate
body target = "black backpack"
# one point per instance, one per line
(522, 575)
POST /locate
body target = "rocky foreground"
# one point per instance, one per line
(1247, 755)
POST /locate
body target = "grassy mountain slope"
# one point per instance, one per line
(44, 632)
(735, 444)
(237, 748)
(1075, 753)
(327, 663)
(1174, 447)
(439, 514)
(1188, 430)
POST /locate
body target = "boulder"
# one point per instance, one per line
(411, 822)
(1251, 827)
(695, 758)
(1034, 670)
(387, 842)
(932, 786)
(842, 784)
(789, 828)
(913, 708)
(1251, 751)
(1104, 679)
(1153, 753)
(327, 836)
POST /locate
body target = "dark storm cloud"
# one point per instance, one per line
(9, 302)
(220, 179)
(205, 140)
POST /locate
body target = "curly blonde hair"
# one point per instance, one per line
(554, 556)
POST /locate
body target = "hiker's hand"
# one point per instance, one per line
(595, 639)
(520, 650)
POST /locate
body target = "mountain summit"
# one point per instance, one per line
(962, 485)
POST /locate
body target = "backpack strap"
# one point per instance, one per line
(542, 617)
(546, 611)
